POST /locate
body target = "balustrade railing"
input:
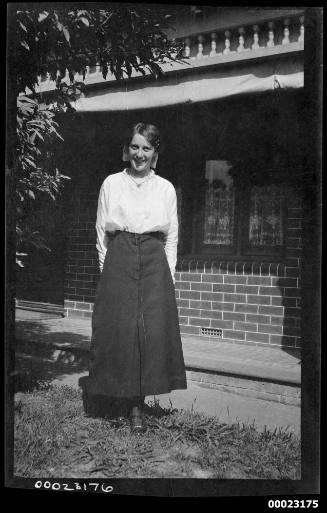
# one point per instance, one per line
(244, 39)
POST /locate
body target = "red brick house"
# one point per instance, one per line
(232, 122)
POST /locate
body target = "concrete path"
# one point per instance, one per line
(229, 408)
(64, 333)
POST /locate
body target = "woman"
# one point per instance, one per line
(136, 346)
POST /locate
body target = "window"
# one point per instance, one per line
(236, 218)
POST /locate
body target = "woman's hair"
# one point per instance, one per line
(150, 132)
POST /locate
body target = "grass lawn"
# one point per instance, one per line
(55, 438)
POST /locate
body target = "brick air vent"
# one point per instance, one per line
(213, 332)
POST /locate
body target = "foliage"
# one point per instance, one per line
(61, 43)
(37, 173)
(118, 38)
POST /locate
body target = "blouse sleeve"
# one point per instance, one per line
(102, 239)
(172, 235)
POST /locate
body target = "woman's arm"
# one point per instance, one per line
(102, 239)
(172, 235)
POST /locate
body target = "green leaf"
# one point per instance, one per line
(23, 98)
(58, 135)
(66, 34)
(25, 110)
(25, 45)
(18, 261)
(30, 161)
(31, 194)
(104, 71)
(128, 69)
(22, 26)
(36, 132)
(85, 21)
(42, 16)
(36, 122)
(32, 138)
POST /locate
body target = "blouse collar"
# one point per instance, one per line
(150, 175)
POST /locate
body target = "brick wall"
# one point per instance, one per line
(260, 306)
(250, 302)
(81, 270)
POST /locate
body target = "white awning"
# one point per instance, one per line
(192, 88)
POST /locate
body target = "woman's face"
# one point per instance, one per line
(140, 154)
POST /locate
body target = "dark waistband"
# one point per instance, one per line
(157, 235)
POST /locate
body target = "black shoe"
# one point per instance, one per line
(137, 422)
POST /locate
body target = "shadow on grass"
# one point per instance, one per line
(30, 372)
(42, 332)
(43, 353)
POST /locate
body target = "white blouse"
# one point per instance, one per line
(149, 206)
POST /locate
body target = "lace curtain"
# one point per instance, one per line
(219, 204)
(266, 216)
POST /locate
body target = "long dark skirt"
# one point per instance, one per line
(136, 346)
